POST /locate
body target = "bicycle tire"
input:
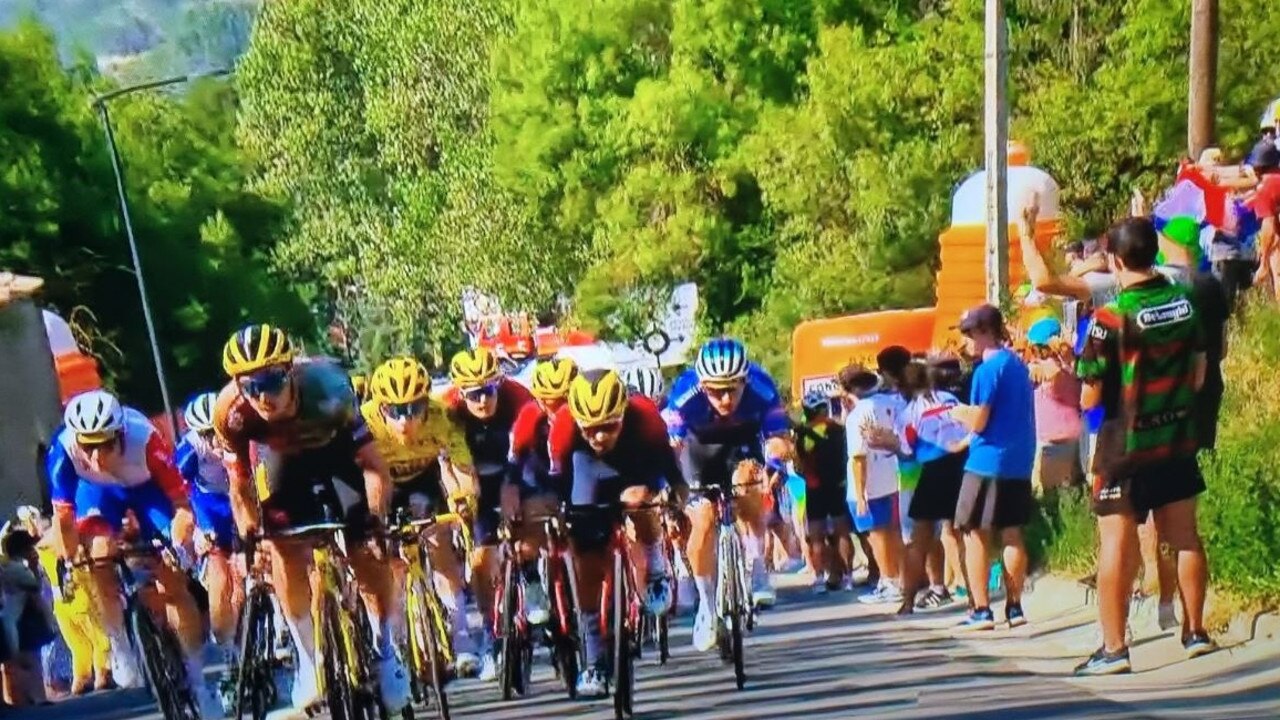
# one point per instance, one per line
(339, 695)
(735, 639)
(163, 665)
(433, 656)
(255, 685)
(565, 632)
(512, 656)
(623, 657)
(664, 639)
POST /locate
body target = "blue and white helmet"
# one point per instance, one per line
(814, 400)
(94, 414)
(644, 381)
(199, 412)
(721, 361)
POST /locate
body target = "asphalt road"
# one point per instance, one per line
(830, 657)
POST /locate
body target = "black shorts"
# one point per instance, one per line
(312, 487)
(938, 492)
(826, 502)
(988, 503)
(484, 529)
(704, 463)
(1148, 489)
(426, 485)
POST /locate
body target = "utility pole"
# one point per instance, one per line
(100, 104)
(1204, 76)
(996, 133)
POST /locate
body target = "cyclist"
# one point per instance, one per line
(297, 423)
(485, 404)
(529, 490)
(646, 382)
(199, 459)
(618, 450)
(106, 461)
(725, 417)
(429, 461)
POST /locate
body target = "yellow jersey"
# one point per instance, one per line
(436, 435)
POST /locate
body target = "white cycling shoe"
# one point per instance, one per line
(536, 607)
(591, 684)
(488, 668)
(467, 665)
(658, 600)
(704, 631)
(124, 664)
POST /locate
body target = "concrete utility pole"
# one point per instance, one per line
(996, 131)
(1204, 76)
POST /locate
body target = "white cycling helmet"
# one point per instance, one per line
(721, 361)
(94, 415)
(645, 381)
(199, 412)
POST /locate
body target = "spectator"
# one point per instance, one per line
(995, 494)
(1265, 203)
(1144, 363)
(926, 431)
(872, 491)
(820, 456)
(1057, 407)
(27, 621)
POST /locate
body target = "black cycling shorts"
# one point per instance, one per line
(312, 487)
(715, 463)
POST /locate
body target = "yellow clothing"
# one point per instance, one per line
(436, 435)
(78, 622)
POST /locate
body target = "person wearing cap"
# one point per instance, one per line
(820, 457)
(1057, 406)
(1265, 204)
(995, 494)
(872, 491)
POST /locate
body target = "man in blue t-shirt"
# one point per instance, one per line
(996, 491)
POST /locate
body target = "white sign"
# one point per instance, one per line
(672, 338)
(824, 383)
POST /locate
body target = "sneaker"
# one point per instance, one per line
(934, 599)
(820, 586)
(536, 609)
(886, 593)
(1014, 615)
(704, 630)
(1168, 617)
(1102, 662)
(980, 619)
(393, 683)
(209, 701)
(762, 592)
(792, 565)
(304, 694)
(488, 668)
(860, 576)
(1198, 644)
(467, 665)
(658, 601)
(592, 684)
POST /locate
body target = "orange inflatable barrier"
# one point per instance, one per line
(77, 373)
(819, 348)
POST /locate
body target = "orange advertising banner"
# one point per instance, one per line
(819, 348)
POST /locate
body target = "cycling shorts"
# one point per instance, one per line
(312, 487)
(101, 509)
(595, 482)
(213, 516)
(420, 492)
(714, 463)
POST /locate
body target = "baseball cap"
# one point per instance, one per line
(982, 316)
(1183, 230)
(1044, 330)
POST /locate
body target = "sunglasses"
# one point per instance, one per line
(481, 393)
(608, 428)
(89, 444)
(404, 411)
(721, 392)
(270, 381)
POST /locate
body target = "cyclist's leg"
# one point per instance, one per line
(647, 552)
(589, 535)
(100, 511)
(450, 586)
(749, 510)
(485, 567)
(533, 540)
(703, 464)
(213, 518)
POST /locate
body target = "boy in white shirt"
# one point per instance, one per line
(873, 475)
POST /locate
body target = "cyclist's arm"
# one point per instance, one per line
(187, 460)
(241, 490)
(63, 482)
(377, 478)
(165, 473)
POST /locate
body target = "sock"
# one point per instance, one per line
(706, 593)
(304, 641)
(939, 589)
(593, 642)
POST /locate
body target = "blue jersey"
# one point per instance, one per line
(201, 465)
(759, 415)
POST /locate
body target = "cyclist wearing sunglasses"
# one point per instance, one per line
(529, 490)
(200, 459)
(617, 449)
(725, 416)
(299, 453)
(429, 462)
(485, 404)
(106, 461)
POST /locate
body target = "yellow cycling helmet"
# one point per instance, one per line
(400, 380)
(599, 400)
(473, 368)
(360, 384)
(254, 347)
(552, 378)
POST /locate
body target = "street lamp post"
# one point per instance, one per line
(100, 104)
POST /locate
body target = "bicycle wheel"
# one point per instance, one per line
(255, 686)
(428, 669)
(664, 639)
(512, 653)
(739, 608)
(339, 693)
(623, 654)
(164, 665)
(564, 629)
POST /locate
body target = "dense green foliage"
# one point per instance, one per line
(204, 240)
